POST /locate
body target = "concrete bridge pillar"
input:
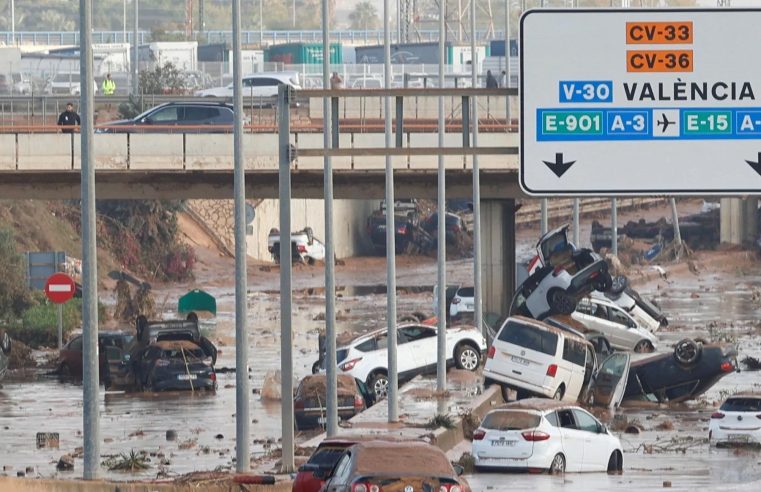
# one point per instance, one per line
(739, 220)
(498, 255)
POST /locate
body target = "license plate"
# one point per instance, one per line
(187, 377)
(502, 443)
(738, 437)
(519, 360)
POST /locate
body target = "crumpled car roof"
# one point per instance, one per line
(402, 458)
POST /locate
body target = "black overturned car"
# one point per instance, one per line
(686, 373)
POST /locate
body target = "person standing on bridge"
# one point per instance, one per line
(68, 118)
(109, 86)
(491, 81)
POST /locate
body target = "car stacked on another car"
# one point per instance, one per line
(366, 357)
(543, 435)
(622, 330)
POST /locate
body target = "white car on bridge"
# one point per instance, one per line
(260, 85)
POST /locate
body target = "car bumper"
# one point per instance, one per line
(519, 385)
(485, 457)
(728, 436)
(182, 385)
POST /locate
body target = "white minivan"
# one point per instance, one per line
(535, 358)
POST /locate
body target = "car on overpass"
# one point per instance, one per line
(177, 117)
(262, 85)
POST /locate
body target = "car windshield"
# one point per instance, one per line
(466, 292)
(326, 457)
(742, 405)
(505, 421)
(183, 354)
(529, 337)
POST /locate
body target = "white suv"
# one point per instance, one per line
(619, 327)
(366, 358)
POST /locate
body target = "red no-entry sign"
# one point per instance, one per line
(59, 288)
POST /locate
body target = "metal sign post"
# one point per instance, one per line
(242, 391)
(441, 257)
(59, 289)
(474, 67)
(90, 368)
(666, 104)
(136, 53)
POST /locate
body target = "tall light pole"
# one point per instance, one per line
(13, 21)
(124, 22)
(135, 54)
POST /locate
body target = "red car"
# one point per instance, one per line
(322, 461)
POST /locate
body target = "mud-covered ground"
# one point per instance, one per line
(716, 295)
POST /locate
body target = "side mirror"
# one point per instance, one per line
(458, 469)
(601, 429)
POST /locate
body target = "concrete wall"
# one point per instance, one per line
(349, 224)
(498, 254)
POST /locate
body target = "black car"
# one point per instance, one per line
(405, 231)
(686, 373)
(114, 349)
(454, 226)
(184, 117)
(173, 365)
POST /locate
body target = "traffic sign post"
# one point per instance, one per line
(59, 288)
(640, 102)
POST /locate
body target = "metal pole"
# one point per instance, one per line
(135, 55)
(677, 232)
(90, 368)
(242, 392)
(13, 22)
(507, 63)
(330, 250)
(124, 22)
(441, 360)
(393, 377)
(477, 287)
(261, 24)
(294, 14)
(576, 225)
(286, 289)
(59, 312)
(544, 216)
(614, 226)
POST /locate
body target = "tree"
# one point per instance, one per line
(364, 16)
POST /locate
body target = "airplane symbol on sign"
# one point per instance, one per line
(664, 122)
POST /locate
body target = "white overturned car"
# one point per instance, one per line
(737, 422)
(305, 248)
(537, 434)
(366, 358)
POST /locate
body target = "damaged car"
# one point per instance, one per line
(737, 421)
(394, 466)
(310, 400)
(622, 330)
(684, 374)
(173, 365)
(561, 275)
(305, 248)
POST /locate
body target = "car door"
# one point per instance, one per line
(595, 457)
(164, 117)
(266, 87)
(573, 440)
(575, 353)
(609, 382)
(71, 355)
(630, 336)
(420, 347)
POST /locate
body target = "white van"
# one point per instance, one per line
(258, 85)
(534, 358)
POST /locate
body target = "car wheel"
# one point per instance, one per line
(557, 467)
(466, 357)
(5, 343)
(687, 351)
(560, 302)
(604, 283)
(379, 384)
(644, 347)
(558, 394)
(618, 285)
(615, 463)
(409, 318)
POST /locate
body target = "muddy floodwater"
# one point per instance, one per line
(670, 447)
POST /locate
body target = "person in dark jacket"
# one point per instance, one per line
(491, 81)
(68, 118)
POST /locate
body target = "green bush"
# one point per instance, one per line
(38, 326)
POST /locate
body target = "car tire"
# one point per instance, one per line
(378, 383)
(687, 351)
(5, 343)
(560, 302)
(557, 467)
(467, 357)
(615, 463)
(409, 318)
(644, 347)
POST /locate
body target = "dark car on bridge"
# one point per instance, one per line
(177, 117)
